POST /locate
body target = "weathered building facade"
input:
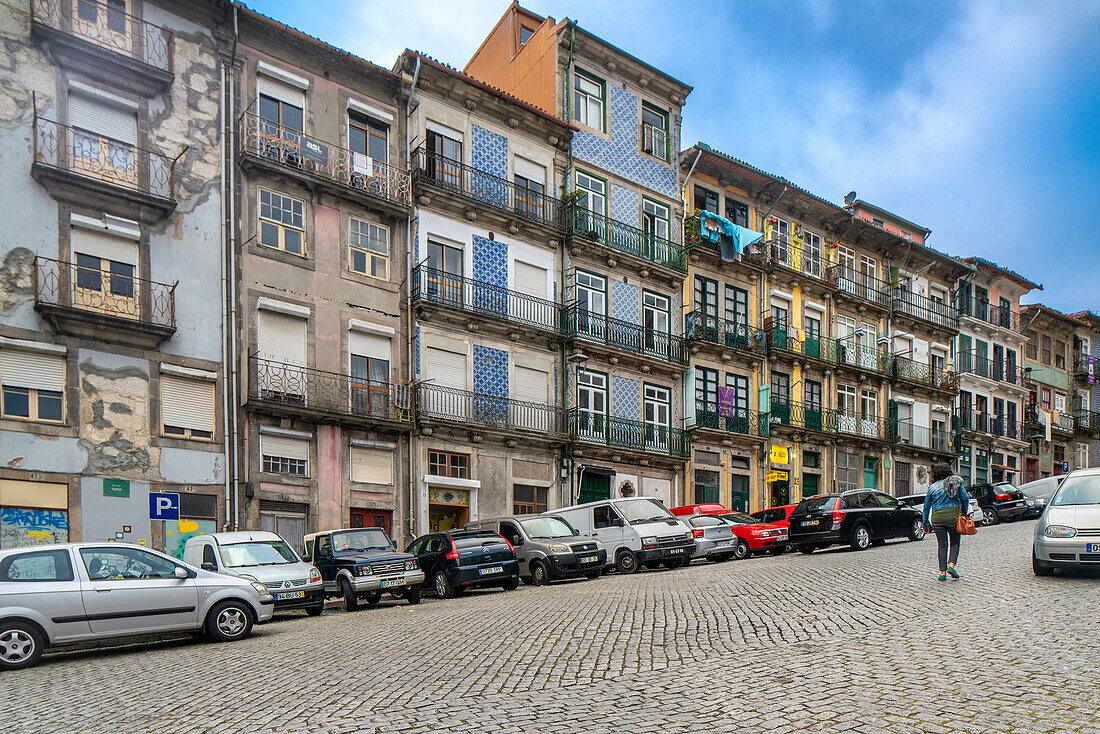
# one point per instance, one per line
(1086, 391)
(1048, 375)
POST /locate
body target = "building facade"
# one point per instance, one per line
(1086, 392)
(1049, 379)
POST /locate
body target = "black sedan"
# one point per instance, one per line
(859, 517)
(999, 502)
(455, 560)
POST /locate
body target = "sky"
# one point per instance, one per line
(977, 119)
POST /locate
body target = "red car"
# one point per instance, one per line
(754, 536)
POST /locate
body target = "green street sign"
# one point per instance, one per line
(116, 488)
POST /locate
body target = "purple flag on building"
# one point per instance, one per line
(1092, 369)
(725, 401)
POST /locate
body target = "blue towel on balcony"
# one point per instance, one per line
(732, 239)
(711, 235)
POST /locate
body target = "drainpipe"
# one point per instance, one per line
(409, 328)
(234, 386)
(225, 306)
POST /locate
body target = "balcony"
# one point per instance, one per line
(921, 375)
(1084, 366)
(656, 348)
(986, 313)
(969, 363)
(975, 421)
(786, 414)
(841, 353)
(101, 40)
(862, 289)
(101, 173)
(702, 328)
(731, 420)
(922, 438)
(105, 305)
(925, 311)
(629, 435)
(316, 395)
(1086, 422)
(479, 412)
(512, 311)
(696, 245)
(1059, 422)
(782, 257)
(648, 250)
(342, 172)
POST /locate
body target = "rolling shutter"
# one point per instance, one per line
(276, 89)
(531, 385)
(95, 117)
(529, 170)
(446, 369)
(286, 447)
(371, 466)
(187, 403)
(530, 279)
(369, 345)
(104, 245)
(282, 338)
(32, 371)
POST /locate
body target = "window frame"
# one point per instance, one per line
(602, 99)
(34, 397)
(589, 192)
(281, 226)
(370, 127)
(453, 467)
(655, 217)
(666, 130)
(368, 254)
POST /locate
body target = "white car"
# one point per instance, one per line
(53, 595)
(1067, 535)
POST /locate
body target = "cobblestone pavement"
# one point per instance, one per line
(838, 641)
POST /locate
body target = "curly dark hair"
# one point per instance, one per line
(941, 471)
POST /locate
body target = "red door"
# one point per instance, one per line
(371, 519)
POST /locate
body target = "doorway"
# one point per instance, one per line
(869, 467)
(594, 486)
(361, 518)
(448, 509)
(781, 494)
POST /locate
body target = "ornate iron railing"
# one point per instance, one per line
(993, 425)
(981, 310)
(923, 437)
(485, 188)
(473, 296)
(698, 325)
(627, 239)
(923, 308)
(329, 392)
(118, 294)
(1086, 420)
(655, 142)
(904, 368)
(841, 352)
(102, 158)
(731, 419)
(785, 254)
(1000, 370)
(859, 285)
(800, 415)
(109, 27)
(1058, 421)
(488, 411)
(1081, 363)
(294, 149)
(624, 433)
(593, 327)
(876, 429)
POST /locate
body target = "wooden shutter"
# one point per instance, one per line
(287, 447)
(531, 385)
(371, 466)
(446, 369)
(187, 403)
(369, 345)
(111, 122)
(32, 370)
(282, 338)
(104, 245)
(280, 90)
(530, 279)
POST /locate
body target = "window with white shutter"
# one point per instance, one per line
(446, 369)
(531, 384)
(530, 280)
(281, 352)
(187, 407)
(284, 455)
(103, 140)
(532, 387)
(33, 385)
(371, 466)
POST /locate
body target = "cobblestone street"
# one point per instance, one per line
(838, 641)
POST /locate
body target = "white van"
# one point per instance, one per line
(635, 530)
(1038, 493)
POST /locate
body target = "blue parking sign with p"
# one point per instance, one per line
(164, 506)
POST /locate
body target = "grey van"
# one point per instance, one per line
(547, 548)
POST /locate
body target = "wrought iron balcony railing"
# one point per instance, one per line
(985, 422)
(1083, 364)
(1001, 371)
(103, 159)
(302, 388)
(841, 352)
(925, 374)
(472, 296)
(923, 437)
(489, 411)
(1059, 421)
(623, 433)
(783, 253)
(580, 222)
(294, 149)
(860, 286)
(655, 142)
(800, 415)
(108, 26)
(700, 326)
(1002, 316)
(115, 292)
(869, 427)
(485, 188)
(1087, 421)
(731, 419)
(923, 308)
(623, 335)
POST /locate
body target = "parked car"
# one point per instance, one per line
(917, 501)
(1038, 493)
(261, 556)
(362, 564)
(999, 502)
(633, 530)
(779, 517)
(858, 517)
(1067, 535)
(752, 535)
(456, 560)
(714, 538)
(56, 595)
(547, 548)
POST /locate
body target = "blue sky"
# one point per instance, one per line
(977, 119)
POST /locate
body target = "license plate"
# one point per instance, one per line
(589, 559)
(490, 569)
(780, 537)
(290, 595)
(675, 550)
(807, 523)
(390, 583)
(1092, 548)
(725, 543)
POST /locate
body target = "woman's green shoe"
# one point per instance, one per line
(943, 577)
(951, 570)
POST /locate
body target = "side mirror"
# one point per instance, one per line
(393, 546)
(617, 522)
(182, 573)
(518, 540)
(208, 566)
(576, 532)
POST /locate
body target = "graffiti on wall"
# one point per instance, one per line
(178, 532)
(21, 527)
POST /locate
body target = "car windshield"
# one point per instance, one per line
(772, 515)
(352, 541)
(740, 518)
(1084, 490)
(643, 510)
(705, 521)
(543, 528)
(257, 553)
(816, 504)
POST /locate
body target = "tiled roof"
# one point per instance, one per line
(1011, 274)
(1053, 313)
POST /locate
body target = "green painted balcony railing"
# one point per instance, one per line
(739, 420)
(580, 222)
(703, 327)
(635, 338)
(623, 433)
(841, 352)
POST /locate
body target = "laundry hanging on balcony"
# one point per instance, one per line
(732, 239)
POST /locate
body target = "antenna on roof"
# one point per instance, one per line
(849, 198)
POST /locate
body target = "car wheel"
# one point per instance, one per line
(806, 549)
(593, 575)
(230, 620)
(373, 598)
(511, 584)
(351, 601)
(20, 645)
(916, 532)
(990, 516)
(442, 585)
(413, 594)
(741, 552)
(540, 574)
(625, 562)
(316, 609)
(861, 538)
(778, 550)
(1038, 567)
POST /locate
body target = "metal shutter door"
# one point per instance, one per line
(32, 371)
(282, 338)
(446, 369)
(371, 466)
(530, 279)
(281, 91)
(284, 446)
(104, 245)
(531, 385)
(187, 403)
(110, 122)
(369, 345)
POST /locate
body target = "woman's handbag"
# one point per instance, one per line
(964, 524)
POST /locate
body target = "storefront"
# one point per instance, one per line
(33, 513)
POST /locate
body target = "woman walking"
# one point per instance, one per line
(945, 501)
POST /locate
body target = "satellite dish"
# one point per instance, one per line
(849, 198)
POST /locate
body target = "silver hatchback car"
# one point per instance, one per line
(1067, 535)
(53, 595)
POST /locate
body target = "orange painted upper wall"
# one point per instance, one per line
(527, 72)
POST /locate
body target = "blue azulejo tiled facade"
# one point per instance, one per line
(626, 398)
(624, 302)
(624, 205)
(490, 371)
(489, 151)
(621, 155)
(490, 261)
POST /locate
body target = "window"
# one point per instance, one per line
(103, 140)
(1046, 341)
(367, 137)
(528, 500)
(187, 407)
(1060, 402)
(846, 399)
(282, 112)
(592, 403)
(706, 390)
(284, 455)
(113, 19)
(811, 459)
(594, 192)
(118, 564)
(737, 305)
(706, 296)
(877, 222)
(657, 414)
(706, 200)
(1044, 394)
(707, 489)
(737, 212)
(1031, 351)
(444, 164)
(530, 179)
(1082, 456)
(655, 131)
(781, 387)
(655, 219)
(812, 262)
(813, 325)
(656, 320)
(444, 464)
(780, 315)
(813, 395)
(33, 385)
(371, 466)
(281, 223)
(1060, 354)
(849, 471)
(588, 99)
(51, 565)
(591, 293)
(525, 34)
(868, 405)
(370, 373)
(368, 249)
